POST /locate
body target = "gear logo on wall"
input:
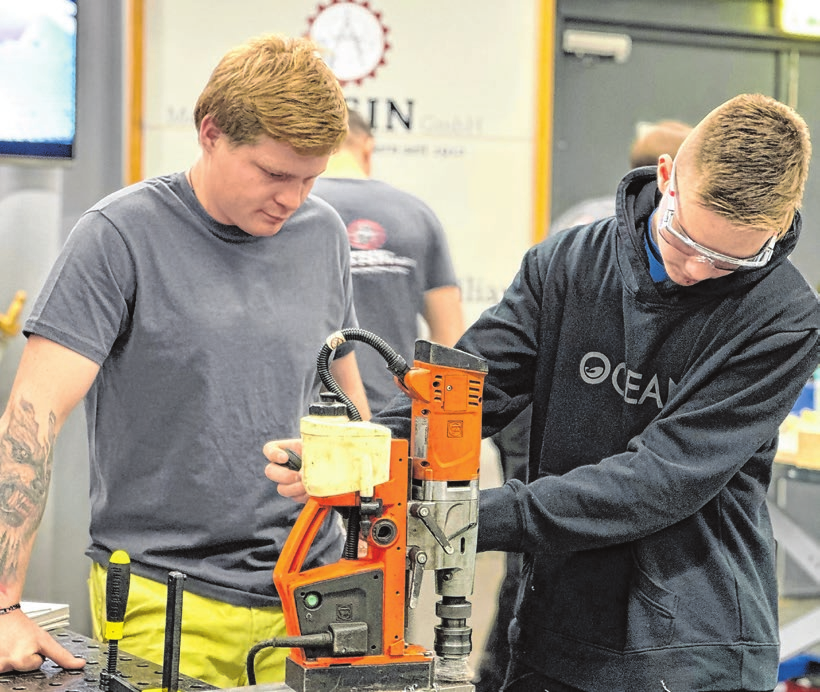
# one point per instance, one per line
(354, 37)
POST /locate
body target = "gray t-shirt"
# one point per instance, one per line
(207, 340)
(398, 253)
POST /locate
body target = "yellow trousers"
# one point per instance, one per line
(216, 636)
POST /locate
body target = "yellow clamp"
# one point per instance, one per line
(113, 630)
(10, 322)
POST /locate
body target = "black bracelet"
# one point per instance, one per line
(4, 611)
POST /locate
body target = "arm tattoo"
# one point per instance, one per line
(25, 472)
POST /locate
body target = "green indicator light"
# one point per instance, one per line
(312, 600)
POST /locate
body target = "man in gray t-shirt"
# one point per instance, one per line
(188, 310)
(400, 260)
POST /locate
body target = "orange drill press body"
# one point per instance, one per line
(446, 432)
(384, 566)
(368, 594)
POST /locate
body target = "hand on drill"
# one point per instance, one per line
(289, 482)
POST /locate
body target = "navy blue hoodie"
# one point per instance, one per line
(649, 556)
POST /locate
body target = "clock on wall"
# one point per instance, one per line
(353, 37)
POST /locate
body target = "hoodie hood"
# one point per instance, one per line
(637, 197)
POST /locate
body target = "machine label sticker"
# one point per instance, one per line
(420, 438)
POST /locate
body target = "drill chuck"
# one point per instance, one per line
(453, 640)
(453, 636)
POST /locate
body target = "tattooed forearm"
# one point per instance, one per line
(25, 472)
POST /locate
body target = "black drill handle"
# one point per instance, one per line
(116, 593)
(294, 462)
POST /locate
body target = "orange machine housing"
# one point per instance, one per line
(446, 422)
(368, 590)
(386, 562)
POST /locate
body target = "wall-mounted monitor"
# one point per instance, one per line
(38, 79)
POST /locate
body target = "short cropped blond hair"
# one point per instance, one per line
(280, 87)
(752, 157)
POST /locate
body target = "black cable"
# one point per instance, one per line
(323, 368)
(255, 649)
(396, 364)
(321, 639)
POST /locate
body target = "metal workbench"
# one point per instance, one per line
(53, 678)
(136, 671)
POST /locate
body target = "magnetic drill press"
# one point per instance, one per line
(408, 510)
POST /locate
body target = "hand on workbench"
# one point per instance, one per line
(289, 482)
(24, 646)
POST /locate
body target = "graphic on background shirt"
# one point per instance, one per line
(353, 35)
(365, 234)
(366, 237)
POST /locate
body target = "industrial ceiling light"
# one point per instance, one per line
(800, 17)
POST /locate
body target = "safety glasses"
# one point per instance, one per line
(685, 245)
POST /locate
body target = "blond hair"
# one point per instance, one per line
(752, 157)
(279, 87)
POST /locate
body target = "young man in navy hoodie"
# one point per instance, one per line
(661, 349)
